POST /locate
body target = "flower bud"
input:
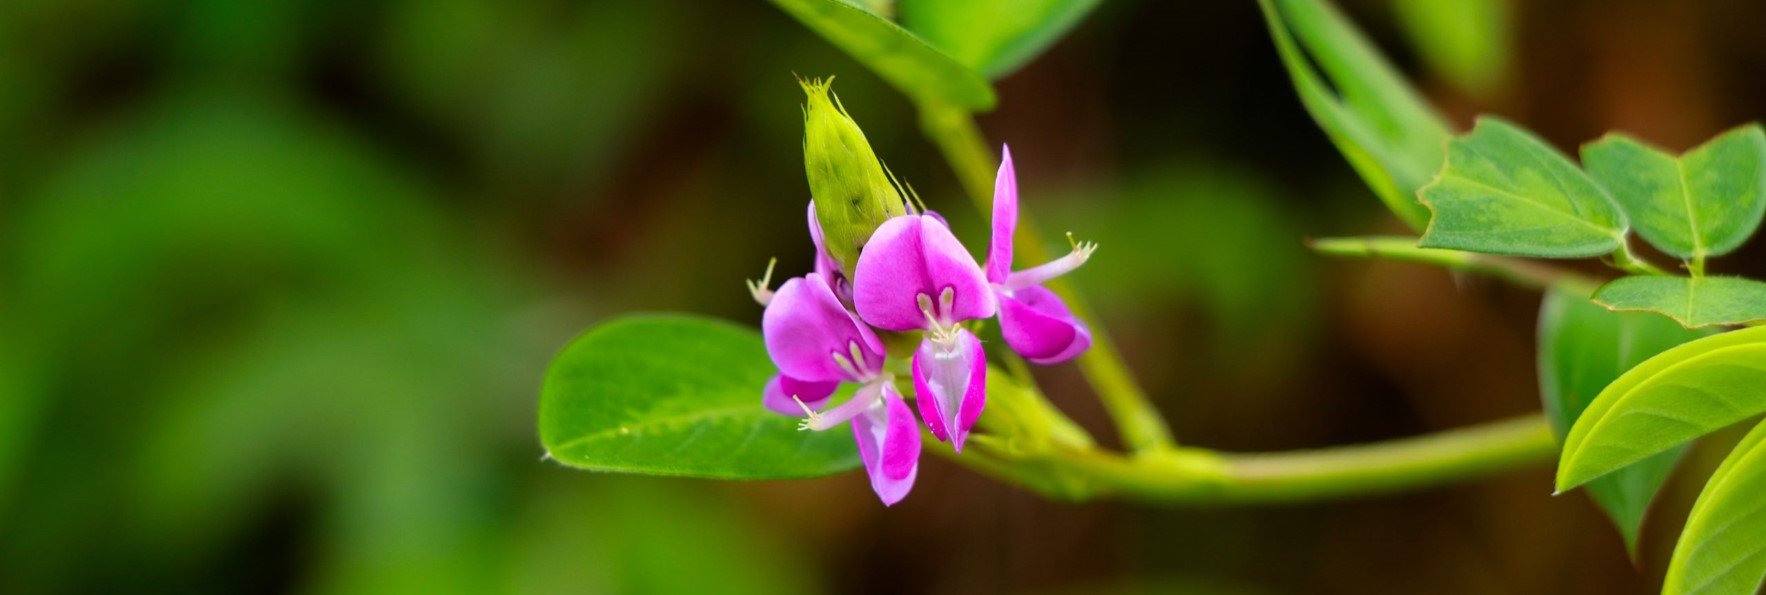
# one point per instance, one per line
(853, 194)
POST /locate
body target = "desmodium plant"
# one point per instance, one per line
(898, 308)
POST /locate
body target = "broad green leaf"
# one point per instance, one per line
(906, 61)
(1582, 349)
(995, 37)
(1722, 549)
(677, 395)
(1692, 301)
(1704, 203)
(1504, 191)
(1681, 394)
(1380, 124)
(1466, 41)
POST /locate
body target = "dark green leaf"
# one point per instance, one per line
(1705, 203)
(1582, 349)
(677, 395)
(906, 61)
(1504, 191)
(1681, 394)
(1381, 125)
(995, 37)
(1692, 301)
(1721, 550)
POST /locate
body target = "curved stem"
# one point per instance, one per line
(1204, 477)
(1523, 273)
(954, 131)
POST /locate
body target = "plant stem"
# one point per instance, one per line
(953, 130)
(1202, 477)
(1523, 273)
(1626, 260)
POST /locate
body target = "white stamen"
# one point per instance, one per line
(846, 365)
(758, 289)
(868, 395)
(1040, 274)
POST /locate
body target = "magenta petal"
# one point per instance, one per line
(911, 256)
(933, 215)
(808, 331)
(779, 390)
(826, 267)
(1005, 219)
(889, 444)
(950, 385)
(1037, 325)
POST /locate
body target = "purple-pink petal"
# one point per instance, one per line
(950, 385)
(1037, 325)
(1005, 219)
(826, 267)
(809, 334)
(910, 262)
(779, 391)
(889, 444)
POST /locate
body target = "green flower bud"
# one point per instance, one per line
(852, 191)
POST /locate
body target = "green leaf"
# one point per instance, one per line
(677, 395)
(1380, 124)
(1692, 301)
(1681, 394)
(1705, 203)
(915, 67)
(1504, 191)
(1582, 349)
(995, 37)
(1466, 41)
(1721, 549)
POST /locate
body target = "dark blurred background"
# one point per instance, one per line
(279, 280)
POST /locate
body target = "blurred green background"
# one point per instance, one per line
(279, 279)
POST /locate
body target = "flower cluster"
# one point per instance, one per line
(911, 275)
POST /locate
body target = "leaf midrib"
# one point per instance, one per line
(1605, 231)
(637, 427)
(1692, 216)
(1606, 416)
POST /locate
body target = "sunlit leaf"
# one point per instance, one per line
(995, 37)
(677, 395)
(1466, 41)
(1692, 301)
(1681, 394)
(906, 61)
(1704, 203)
(1381, 125)
(1504, 191)
(1582, 349)
(1721, 549)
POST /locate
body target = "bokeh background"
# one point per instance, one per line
(279, 280)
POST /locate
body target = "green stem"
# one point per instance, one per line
(1202, 477)
(953, 130)
(1630, 262)
(1523, 273)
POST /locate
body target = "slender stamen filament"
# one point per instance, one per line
(847, 365)
(1042, 273)
(759, 289)
(862, 400)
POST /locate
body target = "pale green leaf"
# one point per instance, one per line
(677, 395)
(1705, 203)
(1466, 41)
(995, 37)
(1722, 549)
(1692, 301)
(1582, 349)
(1380, 124)
(915, 67)
(1505, 191)
(1681, 394)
